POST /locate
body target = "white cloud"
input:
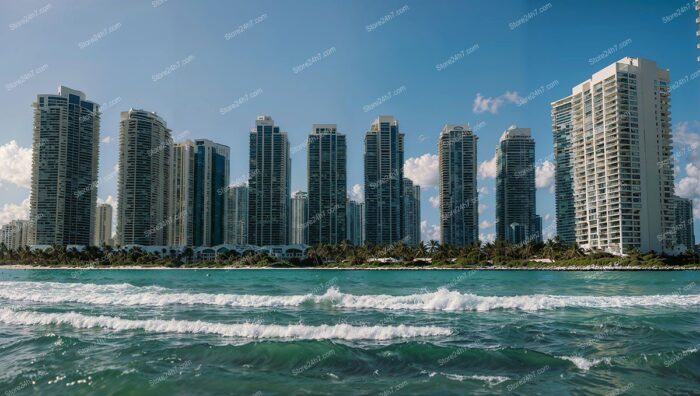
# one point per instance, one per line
(107, 140)
(544, 175)
(11, 212)
(429, 231)
(422, 170)
(486, 238)
(357, 193)
(434, 201)
(487, 169)
(491, 105)
(484, 190)
(482, 208)
(15, 164)
(486, 224)
(686, 143)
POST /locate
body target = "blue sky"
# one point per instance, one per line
(113, 51)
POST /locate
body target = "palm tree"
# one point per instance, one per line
(433, 246)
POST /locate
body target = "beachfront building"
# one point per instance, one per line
(619, 156)
(15, 234)
(459, 198)
(237, 215)
(269, 184)
(145, 147)
(65, 153)
(563, 175)
(683, 227)
(411, 212)
(516, 220)
(384, 153)
(327, 183)
(300, 218)
(102, 233)
(211, 178)
(355, 222)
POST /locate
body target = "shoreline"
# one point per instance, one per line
(553, 268)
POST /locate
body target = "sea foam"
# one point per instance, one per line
(440, 300)
(241, 330)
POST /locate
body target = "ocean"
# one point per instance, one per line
(326, 332)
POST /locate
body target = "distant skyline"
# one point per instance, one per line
(209, 69)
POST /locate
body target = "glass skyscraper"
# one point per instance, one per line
(411, 212)
(237, 215)
(300, 218)
(355, 222)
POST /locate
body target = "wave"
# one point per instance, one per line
(241, 330)
(491, 380)
(440, 300)
(583, 363)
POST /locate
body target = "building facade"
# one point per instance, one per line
(384, 157)
(269, 184)
(684, 227)
(516, 220)
(620, 157)
(211, 178)
(411, 211)
(459, 196)
(237, 215)
(145, 147)
(355, 222)
(181, 228)
(301, 221)
(64, 169)
(563, 176)
(102, 235)
(15, 234)
(327, 183)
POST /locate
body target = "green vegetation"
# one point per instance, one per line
(551, 254)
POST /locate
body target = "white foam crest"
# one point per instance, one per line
(583, 363)
(489, 379)
(240, 330)
(440, 300)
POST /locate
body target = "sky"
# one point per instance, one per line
(210, 67)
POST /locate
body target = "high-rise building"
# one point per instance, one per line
(355, 222)
(684, 227)
(384, 148)
(620, 158)
(15, 234)
(563, 176)
(181, 227)
(145, 147)
(515, 187)
(411, 212)
(102, 235)
(300, 218)
(64, 168)
(326, 166)
(211, 178)
(459, 197)
(269, 184)
(237, 215)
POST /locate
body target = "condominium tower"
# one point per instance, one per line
(411, 212)
(64, 169)
(355, 222)
(181, 227)
(269, 184)
(300, 220)
(15, 234)
(683, 226)
(384, 149)
(516, 221)
(211, 178)
(237, 215)
(102, 235)
(563, 188)
(145, 146)
(618, 154)
(459, 197)
(327, 183)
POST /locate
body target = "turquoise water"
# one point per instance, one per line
(299, 332)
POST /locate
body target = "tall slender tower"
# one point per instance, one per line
(103, 226)
(237, 216)
(181, 228)
(384, 182)
(300, 218)
(64, 169)
(211, 178)
(145, 148)
(459, 197)
(327, 170)
(411, 212)
(355, 222)
(684, 227)
(620, 158)
(269, 184)
(516, 221)
(562, 123)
